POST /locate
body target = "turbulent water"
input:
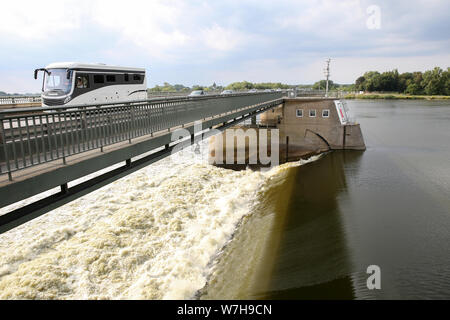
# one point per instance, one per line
(158, 233)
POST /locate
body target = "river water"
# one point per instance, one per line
(388, 206)
(182, 229)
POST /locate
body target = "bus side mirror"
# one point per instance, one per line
(68, 74)
(35, 73)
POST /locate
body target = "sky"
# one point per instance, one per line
(201, 42)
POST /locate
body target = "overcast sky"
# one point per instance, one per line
(201, 42)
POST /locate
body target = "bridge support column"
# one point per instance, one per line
(254, 120)
(64, 188)
(128, 162)
(287, 148)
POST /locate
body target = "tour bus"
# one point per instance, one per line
(71, 83)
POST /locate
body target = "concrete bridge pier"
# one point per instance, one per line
(306, 126)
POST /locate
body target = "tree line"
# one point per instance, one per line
(245, 85)
(238, 86)
(431, 82)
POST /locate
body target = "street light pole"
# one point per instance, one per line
(327, 75)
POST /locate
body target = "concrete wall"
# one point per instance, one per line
(307, 130)
(353, 138)
(300, 137)
(317, 132)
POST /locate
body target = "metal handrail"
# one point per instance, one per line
(28, 139)
(5, 112)
(5, 100)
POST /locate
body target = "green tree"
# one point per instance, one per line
(360, 83)
(404, 80)
(244, 85)
(373, 81)
(180, 87)
(413, 89)
(446, 82)
(322, 84)
(389, 81)
(433, 82)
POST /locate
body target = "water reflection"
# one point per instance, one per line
(387, 207)
(313, 260)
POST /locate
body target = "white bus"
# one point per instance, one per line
(71, 83)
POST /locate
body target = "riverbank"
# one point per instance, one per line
(394, 96)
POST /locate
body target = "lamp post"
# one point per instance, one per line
(327, 75)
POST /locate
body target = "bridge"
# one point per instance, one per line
(34, 100)
(9, 102)
(46, 148)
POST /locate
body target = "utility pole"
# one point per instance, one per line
(327, 74)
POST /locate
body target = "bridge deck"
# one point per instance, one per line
(150, 146)
(30, 172)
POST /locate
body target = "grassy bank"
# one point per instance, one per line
(394, 96)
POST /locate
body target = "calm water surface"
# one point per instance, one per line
(388, 206)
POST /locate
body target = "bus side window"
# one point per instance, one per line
(126, 77)
(137, 77)
(82, 82)
(110, 78)
(99, 78)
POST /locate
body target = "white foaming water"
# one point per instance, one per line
(151, 235)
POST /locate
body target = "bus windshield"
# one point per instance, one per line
(56, 81)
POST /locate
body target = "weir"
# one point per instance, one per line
(303, 127)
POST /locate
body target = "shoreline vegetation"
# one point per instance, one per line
(394, 96)
(431, 83)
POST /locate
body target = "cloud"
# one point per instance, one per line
(37, 21)
(156, 26)
(221, 39)
(324, 17)
(201, 41)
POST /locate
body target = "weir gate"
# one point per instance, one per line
(44, 148)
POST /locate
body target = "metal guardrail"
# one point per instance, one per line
(167, 94)
(319, 93)
(18, 99)
(162, 94)
(58, 132)
(6, 100)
